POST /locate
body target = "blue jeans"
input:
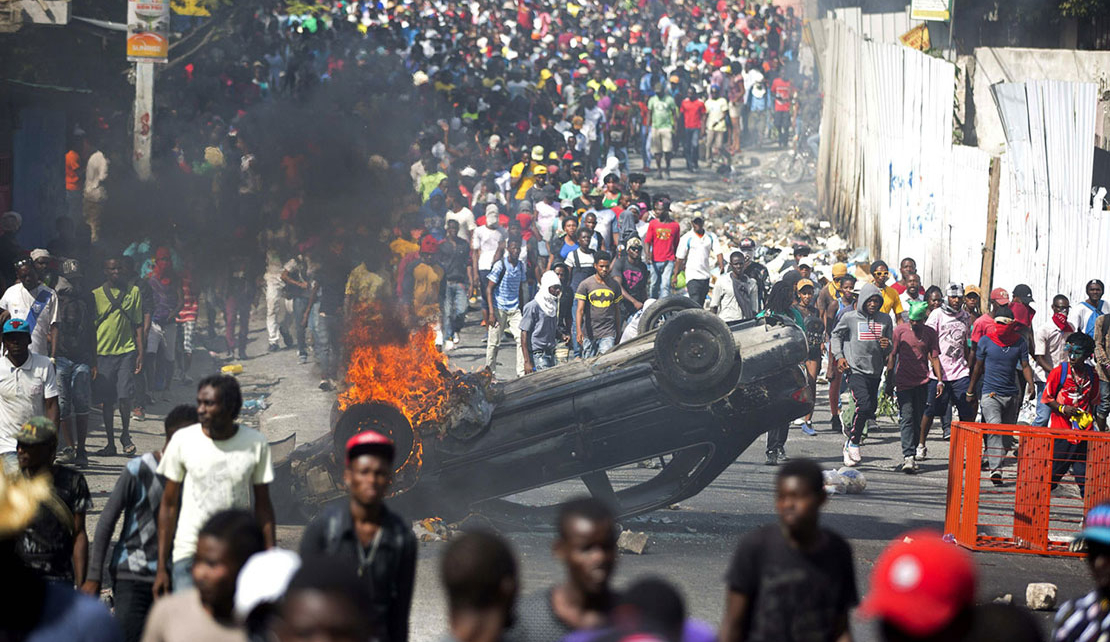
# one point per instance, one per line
(595, 347)
(647, 146)
(691, 147)
(300, 305)
(181, 574)
(1043, 411)
(74, 387)
(456, 299)
(575, 344)
(327, 356)
(660, 279)
(542, 359)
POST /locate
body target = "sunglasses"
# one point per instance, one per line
(881, 273)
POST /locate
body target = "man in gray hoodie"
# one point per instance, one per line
(861, 342)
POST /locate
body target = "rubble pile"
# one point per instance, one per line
(777, 219)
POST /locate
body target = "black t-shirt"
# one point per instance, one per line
(634, 276)
(793, 595)
(47, 544)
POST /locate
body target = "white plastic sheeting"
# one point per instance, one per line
(1048, 235)
(887, 171)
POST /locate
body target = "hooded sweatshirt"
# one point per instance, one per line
(856, 336)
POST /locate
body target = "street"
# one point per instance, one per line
(691, 544)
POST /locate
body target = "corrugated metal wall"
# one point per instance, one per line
(880, 27)
(1048, 236)
(888, 172)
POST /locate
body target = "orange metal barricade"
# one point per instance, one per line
(1022, 515)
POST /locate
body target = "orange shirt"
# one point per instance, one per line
(73, 164)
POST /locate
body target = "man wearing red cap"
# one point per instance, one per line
(922, 588)
(369, 537)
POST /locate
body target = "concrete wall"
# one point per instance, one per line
(998, 64)
(38, 181)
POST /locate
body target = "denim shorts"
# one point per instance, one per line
(74, 387)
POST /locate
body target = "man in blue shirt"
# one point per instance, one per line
(998, 356)
(505, 293)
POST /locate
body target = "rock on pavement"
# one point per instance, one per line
(1040, 596)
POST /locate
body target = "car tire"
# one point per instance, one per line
(380, 417)
(696, 356)
(663, 309)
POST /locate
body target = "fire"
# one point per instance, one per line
(391, 364)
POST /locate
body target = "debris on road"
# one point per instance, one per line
(1004, 599)
(432, 529)
(632, 542)
(1040, 596)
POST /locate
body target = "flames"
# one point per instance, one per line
(389, 363)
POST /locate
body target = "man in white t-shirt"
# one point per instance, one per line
(28, 388)
(211, 466)
(697, 252)
(485, 242)
(456, 211)
(36, 304)
(716, 126)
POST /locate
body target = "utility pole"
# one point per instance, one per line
(148, 27)
(143, 115)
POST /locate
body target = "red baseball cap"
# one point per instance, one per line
(1000, 296)
(919, 583)
(369, 438)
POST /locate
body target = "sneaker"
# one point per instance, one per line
(947, 436)
(848, 461)
(836, 424)
(996, 478)
(302, 358)
(909, 466)
(68, 456)
(448, 345)
(772, 458)
(807, 428)
(138, 412)
(273, 347)
(853, 452)
(922, 451)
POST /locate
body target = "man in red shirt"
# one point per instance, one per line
(783, 92)
(693, 115)
(1072, 394)
(661, 240)
(75, 192)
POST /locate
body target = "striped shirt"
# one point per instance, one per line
(1083, 619)
(506, 279)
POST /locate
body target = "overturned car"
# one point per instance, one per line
(690, 391)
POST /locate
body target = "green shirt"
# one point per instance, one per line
(662, 111)
(115, 326)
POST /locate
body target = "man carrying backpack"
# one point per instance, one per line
(367, 536)
(119, 351)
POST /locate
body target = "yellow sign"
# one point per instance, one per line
(917, 38)
(148, 30)
(189, 8)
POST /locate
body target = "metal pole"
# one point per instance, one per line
(143, 114)
(952, 29)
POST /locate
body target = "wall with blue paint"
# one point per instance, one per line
(38, 172)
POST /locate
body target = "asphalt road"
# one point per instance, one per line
(690, 545)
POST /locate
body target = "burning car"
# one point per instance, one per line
(690, 390)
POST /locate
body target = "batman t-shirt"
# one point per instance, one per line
(601, 299)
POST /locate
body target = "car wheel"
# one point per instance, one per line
(696, 354)
(379, 417)
(664, 309)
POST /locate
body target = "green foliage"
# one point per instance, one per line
(1084, 8)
